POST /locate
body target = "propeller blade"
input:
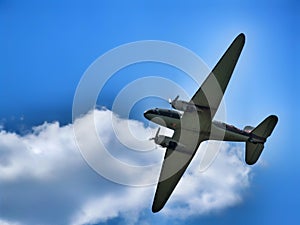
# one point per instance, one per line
(157, 132)
(156, 135)
(174, 100)
(177, 97)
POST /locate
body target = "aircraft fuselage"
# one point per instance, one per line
(218, 130)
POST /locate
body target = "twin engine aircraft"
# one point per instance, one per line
(193, 123)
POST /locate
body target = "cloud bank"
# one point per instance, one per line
(45, 180)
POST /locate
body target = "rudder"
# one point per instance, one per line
(253, 151)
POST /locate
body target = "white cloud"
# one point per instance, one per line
(44, 179)
(6, 222)
(128, 204)
(216, 188)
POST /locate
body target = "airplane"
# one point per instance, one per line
(193, 123)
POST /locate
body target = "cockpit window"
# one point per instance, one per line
(169, 113)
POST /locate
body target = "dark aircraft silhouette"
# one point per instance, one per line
(196, 125)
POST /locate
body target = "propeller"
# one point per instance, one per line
(174, 100)
(155, 138)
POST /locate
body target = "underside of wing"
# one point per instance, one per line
(174, 165)
(212, 90)
(196, 124)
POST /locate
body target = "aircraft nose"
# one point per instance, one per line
(149, 114)
(146, 114)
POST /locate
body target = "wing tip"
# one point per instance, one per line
(274, 117)
(158, 204)
(241, 37)
(156, 208)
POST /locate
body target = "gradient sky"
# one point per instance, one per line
(47, 45)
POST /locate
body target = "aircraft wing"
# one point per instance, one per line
(213, 88)
(174, 165)
(189, 135)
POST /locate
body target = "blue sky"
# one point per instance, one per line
(47, 46)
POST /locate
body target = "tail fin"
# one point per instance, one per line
(263, 131)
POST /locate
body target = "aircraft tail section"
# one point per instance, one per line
(253, 151)
(255, 145)
(265, 128)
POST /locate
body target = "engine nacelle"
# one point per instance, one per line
(168, 142)
(163, 141)
(183, 105)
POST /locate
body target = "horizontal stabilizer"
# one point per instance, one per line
(263, 130)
